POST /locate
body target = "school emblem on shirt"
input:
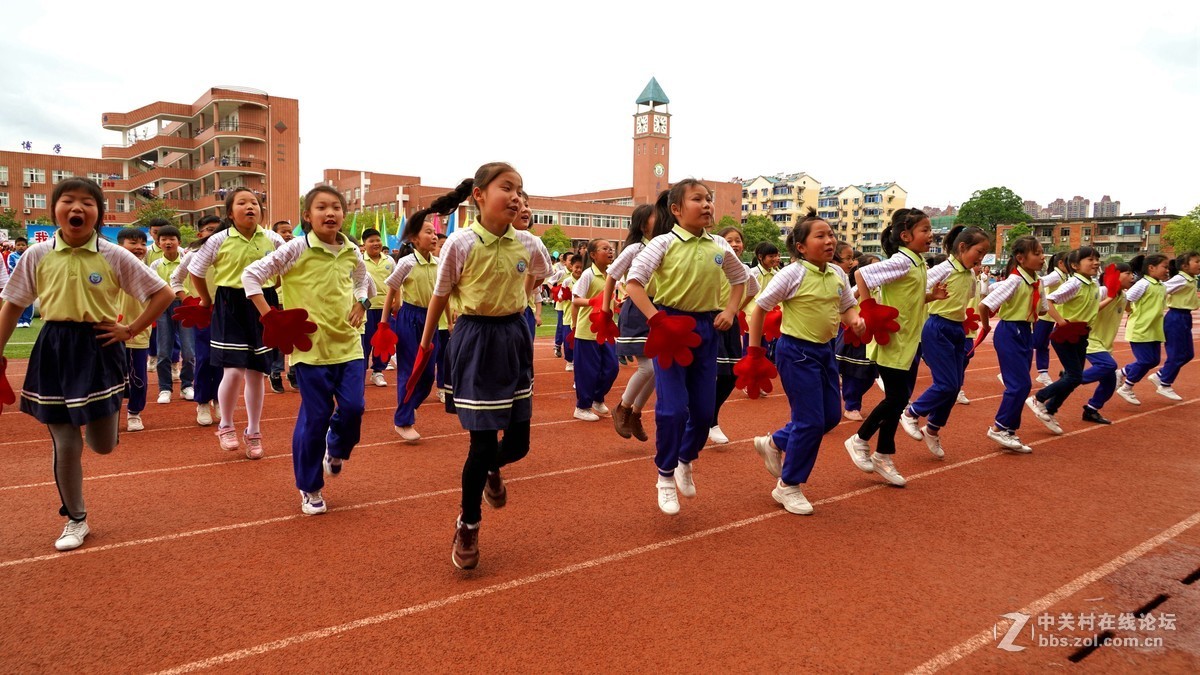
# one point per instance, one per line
(95, 278)
(521, 266)
(718, 258)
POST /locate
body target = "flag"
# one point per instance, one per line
(354, 226)
(298, 231)
(451, 223)
(398, 239)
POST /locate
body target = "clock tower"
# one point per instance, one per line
(651, 142)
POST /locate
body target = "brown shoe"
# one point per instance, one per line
(494, 492)
(635, 426)
(620, 417)
(465, 554)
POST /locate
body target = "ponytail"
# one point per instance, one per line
(903, 220)
(664, 220)
(1137, 264)
(966, 236)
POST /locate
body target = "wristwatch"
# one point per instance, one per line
(365, 302)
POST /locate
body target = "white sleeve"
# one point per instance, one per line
(539, 256)
(735, 270)
(1176, 284)
(886, 271)
(180, 275)
(133, 276)
(207, 254)
(274, 264)
(364, 285)
(582, 284)
(649, 258)
(848, 299)
(401, 271)
(21, 289)
(1002, 291)
(1065, 291)
(783, 286)
(454, 256)
(938, 274)
(3, 276)
(1135, 293)
(620, 266)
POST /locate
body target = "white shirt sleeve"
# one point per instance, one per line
(886, 271)
(620, 267)
(21, 289)
(1065, 291)
(400, 272)
(207, 254)
(274, 264)
(582, 284)
(938, 274)
(783, 286)
(848, 299)
(180, 275)
(1135, 293)
(3, 276)
(133, 276)
(1002, 291)
(539, 255)
(735, 270)
(649, 258)
(1176, 284)
(450, 264)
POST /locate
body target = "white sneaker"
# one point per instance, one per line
(1008, 440)
(772, 456)
(586, 415)
(312, 503)
(853, 415)
(204, 414)
(717, 436)
(1164, 390)
(600, 409)
(792, 499)
(1125, 391)
(164, 397)
(189, 393)
(1043, 379)
(151, 363)
(331, 465)
(391, 364)
(879, 383)
(570, 367)
(962, 398)
(377, 380)
(668, 499)
(910, 425)
(1000, 376)
(441, 396)
(134, 423)
(1043, 415)
(887, 470)
(72, 535)
(408, 433)
(683, 479)
(934, 443)
(859, 451)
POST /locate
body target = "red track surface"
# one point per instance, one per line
(199, 558)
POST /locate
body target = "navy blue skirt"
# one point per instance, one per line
(237, 331)
(71, 378)
(729, 349)
(633, 330)
(491, 369)
(852, 361)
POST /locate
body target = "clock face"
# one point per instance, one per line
(641, 124)
(660, 124)
(659, 170)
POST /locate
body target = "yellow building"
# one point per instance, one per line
(858, 213)
(782, 198)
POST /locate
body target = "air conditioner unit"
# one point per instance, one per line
(25, 184)
(28, 211)
(3, 183)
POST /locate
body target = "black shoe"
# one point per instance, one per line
(277, 383)
(558, 351)
(1091, 415)
(292, 379)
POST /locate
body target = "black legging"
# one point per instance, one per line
(897, 388)
(489, 453)
(725, 386)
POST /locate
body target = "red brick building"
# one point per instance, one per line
(584, 216)
(27, 181)
(1125, 236)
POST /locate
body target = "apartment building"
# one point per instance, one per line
(783, 198)
(1125, 236)
(858, 213)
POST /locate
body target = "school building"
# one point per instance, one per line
(1125, 236)
(584, 216)
(188, 155)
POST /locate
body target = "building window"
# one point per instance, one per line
(60, 175)
(4, 199)
(34, 175)
(1087, 233)
(745, 207)
(4, 173)
(1154, 229)
(35, 201)
(575, 219)
(1064, 232)
(98, 177)
(543, 218)
(606, 221)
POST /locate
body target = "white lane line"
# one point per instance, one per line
(987, 637)
(604, 560)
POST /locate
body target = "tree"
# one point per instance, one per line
(8, 221)
(1014, 233)
(1184, 234)
(757, 230)
(991, 207)
(728, 221)
(556, 240)
(154, 208)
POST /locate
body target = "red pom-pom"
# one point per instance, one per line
(971, 323)
(287, 330)
(754, 372)
(672, 339)
(383, 342)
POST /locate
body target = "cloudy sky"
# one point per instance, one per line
(1051, 99)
